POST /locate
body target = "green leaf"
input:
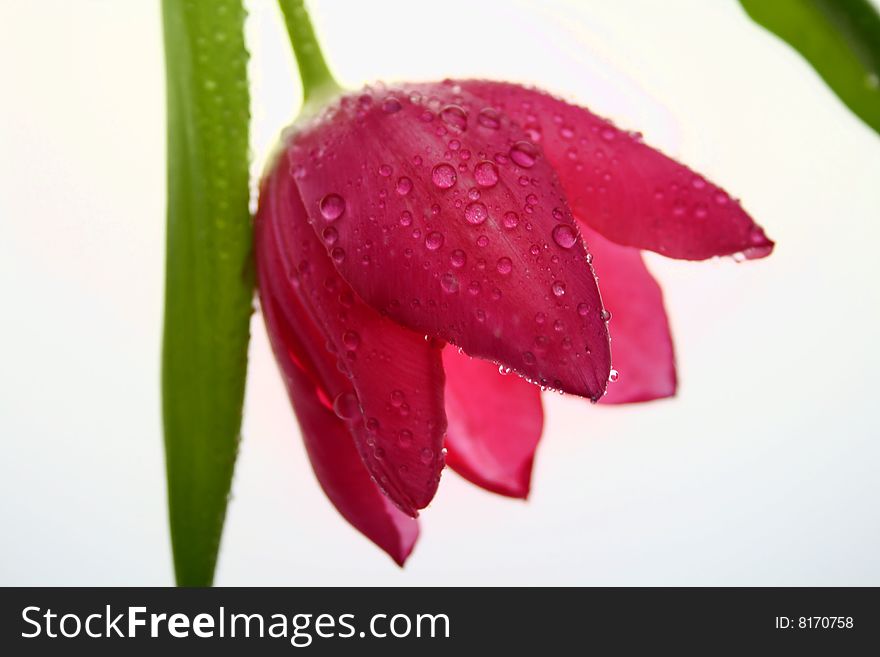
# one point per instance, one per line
(209, 275)
(840, 39)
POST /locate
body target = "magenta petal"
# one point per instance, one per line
(328, 440)
(456, 227)
(629, 192)
(495, 422)
(641, 344)
(392, 396)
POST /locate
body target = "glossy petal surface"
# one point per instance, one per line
(450, 220)
(642, 352)
(495, 422)
(629, 192)
(392, 390)
(328, 439)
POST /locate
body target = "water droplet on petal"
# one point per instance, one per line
(449, 283)
(565, 236)
(489, 118)
(605, 315)
(504, 265)
(406, 218)
(404, 185)
(433, 240)
(391, 105)
(583, 309)
(351, 340)
(511, 220)
(613, 376)
(404, 438)
(486, 174)
(346, 406)
(426, 455)
(385, 170)
(476, 213)
(458, 258)
(524, 154)
(332, 206)
(330, 235)
(444, 176)
(558, 288)
(454, 116)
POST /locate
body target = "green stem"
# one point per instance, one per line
(208, 272)
(317, 81)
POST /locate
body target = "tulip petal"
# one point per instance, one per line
(328, 440)
(641, 344)
(453, 224)
(394, 399)
(629, 192)
(495, 422)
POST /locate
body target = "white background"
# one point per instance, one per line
(763, 471)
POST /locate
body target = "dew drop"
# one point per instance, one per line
(330, 235)
(337, 254)
(391, 105)
(404, 438)
(486, 174)
(476, 213)
(385, 170)
(426, 455)
(510, 220)
(458, 258)
(558, 288)
(504, 265)
(524, 154)
(565, 236)
(454, 116)
(404, 186)
(433, 240)
(443, 176)
(583, 309)
(351, 340)
(489, 118)
(346, 406)
(613, 375)
(406, 218)
(332, 206)
(449, 283)
(605, 315)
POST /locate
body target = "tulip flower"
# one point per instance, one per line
(427, 260)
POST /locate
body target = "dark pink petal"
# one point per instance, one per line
(335, 460)
(451, 222)
(641, 344)
(631, 193)
(392, 391)
(495, 422)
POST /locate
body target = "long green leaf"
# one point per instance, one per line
(209, 278)
(840, 39)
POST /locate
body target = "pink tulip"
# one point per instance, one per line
(420, 246)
